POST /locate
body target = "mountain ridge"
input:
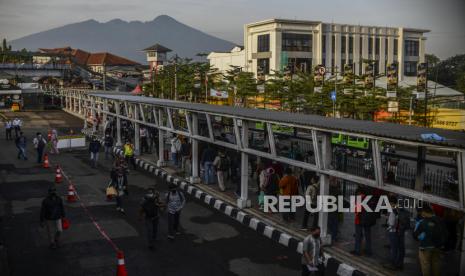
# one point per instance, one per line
(126, 38)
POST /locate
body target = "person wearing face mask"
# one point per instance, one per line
(312, 256)
(150, 209)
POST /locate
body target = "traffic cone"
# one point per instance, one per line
(71, 193)
(46, 164)
(121, 268)
(58, 176)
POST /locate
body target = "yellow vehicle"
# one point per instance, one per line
(15, 107)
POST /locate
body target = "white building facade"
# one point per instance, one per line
(225, 61)
(281, 44)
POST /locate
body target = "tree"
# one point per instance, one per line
(450, 72)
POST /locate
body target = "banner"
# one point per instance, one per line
(421, 77)
(369, 80)
(392, 77)
(218, 94)
(348, 74)
(319, 72)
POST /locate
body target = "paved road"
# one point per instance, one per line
(210, 244)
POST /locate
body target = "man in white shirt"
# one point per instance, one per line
(175, 148)
(143, 140)
(8, 128)
(312, 254)
(17, 126)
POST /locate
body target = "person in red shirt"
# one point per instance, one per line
(289, 187)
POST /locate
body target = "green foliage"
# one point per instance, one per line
(450, 72)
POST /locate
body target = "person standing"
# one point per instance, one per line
(54, 142)
(363, 222)
(312, 254)
(108, 144)
(21, 145)
(128, 150)
(312, 191)
(398, 222)
(208, 156)
(185, 156)
(150, 208)
(175, 201)
(119, 181)
(221, 163)
(94, 148)
(143, 140)
(289, 186)
(8, 128)
(175, 149)
(17, 126)
(51, 214)
(432, 234)
(39, 144)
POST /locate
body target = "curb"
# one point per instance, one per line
(333, 266)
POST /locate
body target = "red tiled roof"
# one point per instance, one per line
(108, 59)
(80, 56)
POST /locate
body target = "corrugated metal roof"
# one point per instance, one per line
(379, 129)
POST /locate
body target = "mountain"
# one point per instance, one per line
(126, 39)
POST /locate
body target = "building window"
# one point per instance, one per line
(396, 47)
(263, 43)
(361, 48)
(412, 48)
(263, 66)
(343, 45)
(299, 64)
(370, 46)
(410, 68)
(386, 47)
(351, 45)
(377, 46)
(297, 42)
(323, 42)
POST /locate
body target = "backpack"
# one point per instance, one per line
(41, 143)
(223, 165)
(403, 221)
(439, 232)
(272, 184)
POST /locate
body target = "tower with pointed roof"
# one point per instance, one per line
(156, 55)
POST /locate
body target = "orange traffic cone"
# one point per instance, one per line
(58, 176)
(46, 164)
(71, 193)
(121, 268)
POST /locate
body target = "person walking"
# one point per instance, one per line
(39, 144)
(21, 145)
(128, 151)
(221, 163)
(8, 128)
(119, 181)
(51, 214)
(17, 126)
(289, 187)
(150, 209)
(175, 200)
(312, 254)
(208, 156)
(175, 149)
(108, 145)
(94, 148)
(431, 231)
(54, 142)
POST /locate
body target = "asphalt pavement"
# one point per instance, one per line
(210, 243)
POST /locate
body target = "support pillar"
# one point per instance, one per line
(161, 142)
(80, 105)
(324, 186)
(136, 131)
(93, 113)
(243, 201)
(104, 114)
(195, 150)
(118, 124)
(421, 169)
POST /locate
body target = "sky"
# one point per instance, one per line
(225, 18)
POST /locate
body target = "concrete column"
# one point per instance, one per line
(161, 142)
(118, 124)
(80, 104)
(243, 201)
(104, 114)
(324, 185)
(421, 169)
(136, 131)
(195, 150)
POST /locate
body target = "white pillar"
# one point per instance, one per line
(243, 201)
(161, 142)
(93, 113)
(104, 114)
(118, 124)
(136, 131)
(195, 150)
(324, 186)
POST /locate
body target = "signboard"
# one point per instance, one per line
(369, 80)
(421, 77)
(318, 75)
(218, 94)
(393, 106)
(333, 96)
(261, 88)
(348, 74)
(392, 77)
(391, 94)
